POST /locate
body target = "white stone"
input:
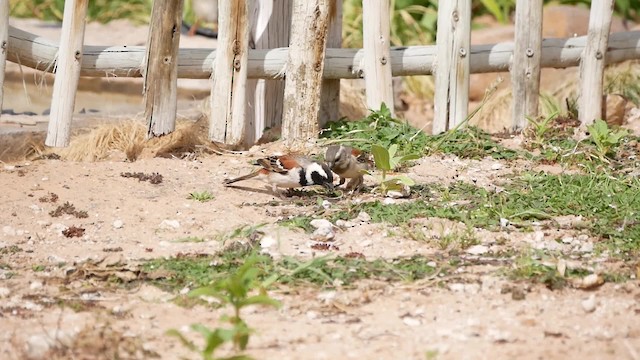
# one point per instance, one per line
(323, 234)
(411, 321)
(321, 223)
(35, 285)
(267, 242)
(326, 204)
(389, 201)
(345, 223)
(504, 222)
(170, 224)
(456, 287)
(363, 217)
(4, 292)
(478, 250)
(38, 346)
(589, 304)
(118, 224)
(496, 166)
(8, 230)
(586, 247)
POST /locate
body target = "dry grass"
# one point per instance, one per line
(129, 137)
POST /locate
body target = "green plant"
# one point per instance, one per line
(605, 139)
(540, 127)
(499, 9)
(386, 160)
(235, 291)
(202, 196)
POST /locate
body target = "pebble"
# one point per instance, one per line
(411, 321)
(345, 223)
(35, 208)
(35, 285)
(169, 224)
(38, 346)
(8, 230)
(321, 223)
(267, 242)
(504, 222)
(4, 292)
(326, 204)
(118, 224)
(43, 223)
(478, 250)
(323, 234)
(363, 217)
(587, 247)
(496, 166)
(589, 304)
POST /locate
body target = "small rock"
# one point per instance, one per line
(326, 204)
(267, 242)
(4, 292)
(432, 264)
(363, 217)
(9, 167)
(312, 315)
(35, 285)
(499, 336)
(8, 230)
(170, 224)
(323, 234)
(589, 282)
(38, 346)
(43, 223)
(478, 250)
(55, 259)
(517, 293)
(586, 247)
(345, 223)
(589, 304)
(567, 240)
(118, 224)
(404, 192)
(35, 208)
(321, 223)
(496, 166)
(389, 201)
(504, 222)
(561, 266)
(456, 287)
(411, 321)
(327, 296)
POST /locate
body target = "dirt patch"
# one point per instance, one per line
(56, 283)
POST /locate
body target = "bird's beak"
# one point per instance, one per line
(329, 186)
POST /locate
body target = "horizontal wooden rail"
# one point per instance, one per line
(126, 61)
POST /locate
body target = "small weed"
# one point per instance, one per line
(386, 160)
(11, 249)
(234, 290)
(469, 142)
(538, 128)
(202, 196)
(605, 139)
(38, 268)
(69, 209)
(190, 239)
(153, 178)
(251, 232)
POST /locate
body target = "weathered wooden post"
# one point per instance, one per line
(330, 97)
(161, 68)
(270, 24)
(305, 66)
(593, 62)
(68, 67)
(377, 73)
(451, 103)
(525, 69)
(227, 122)
(4, 44)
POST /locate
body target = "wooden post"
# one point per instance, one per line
(593, 62)
(4, 44)
(305, 67)
(68, 67)
(228, 93)
(270, 24)
(330, 97)
(451, 101)
(377, 73)
(161, 68)
(525, 70)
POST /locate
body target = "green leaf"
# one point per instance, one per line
(185, 342)
(381, 157)
(260, 300)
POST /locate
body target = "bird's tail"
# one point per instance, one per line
(243, 177)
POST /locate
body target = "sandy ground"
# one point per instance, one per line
(468, 316)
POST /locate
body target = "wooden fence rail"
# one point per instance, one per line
(451, 60)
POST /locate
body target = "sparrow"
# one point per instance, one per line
(348, 163)
(289, 171)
